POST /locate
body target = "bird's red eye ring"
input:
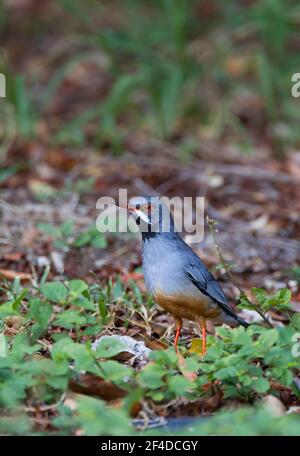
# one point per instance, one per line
(147, 207)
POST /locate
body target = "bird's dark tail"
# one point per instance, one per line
(233, 315)
(242, 321)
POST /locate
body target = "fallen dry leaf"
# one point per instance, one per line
(11, 275)
(154, 344)
(13, 256)
(132, 276)
(91, 385)
(29, 236)
(196, 346)
(183, 369)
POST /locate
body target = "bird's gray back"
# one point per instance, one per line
(165, 264)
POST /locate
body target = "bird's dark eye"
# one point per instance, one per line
(138, 206)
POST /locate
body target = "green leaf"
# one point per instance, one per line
(77, 287)
(109, 346)
(60, 244)
(92, 330)
(84, 303)
(281, 298)
(66, 228)
(58, 382)
(7, 309)
(260, 294)
(151, 376)
(224, 332)
(78, 352)
(226, 373)
(48, 229)
(16, 303)
(54, 291)
(82, 239)
(180, 386)
(268, 338)
(91, 237)
(246, 380)
(60, 350)
(96, 419)
(115, 372)
(167, 357)
(5, 173)
(69, 318)
(261, 385)
(13, 390)
(216, 350)
(242, 338)
(40, 311)
(295, 321)
(3, 346)
(99, 241)
(102, 308)
(16, 425)
(21, 346)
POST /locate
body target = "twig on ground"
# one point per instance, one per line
(212, 226)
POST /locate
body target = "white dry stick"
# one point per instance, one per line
(136, 347)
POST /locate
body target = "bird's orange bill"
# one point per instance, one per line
(127, 206)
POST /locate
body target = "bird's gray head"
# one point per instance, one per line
(151, 214)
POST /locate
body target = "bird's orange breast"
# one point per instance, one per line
(190, 308)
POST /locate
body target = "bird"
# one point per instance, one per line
(174, 274)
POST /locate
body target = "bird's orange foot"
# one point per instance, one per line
(178, 323)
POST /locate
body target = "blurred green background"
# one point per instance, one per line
(90, 72)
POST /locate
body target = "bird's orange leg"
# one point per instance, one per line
(203, 329)
(178, 323)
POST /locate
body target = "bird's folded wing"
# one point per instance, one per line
(207, 284)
